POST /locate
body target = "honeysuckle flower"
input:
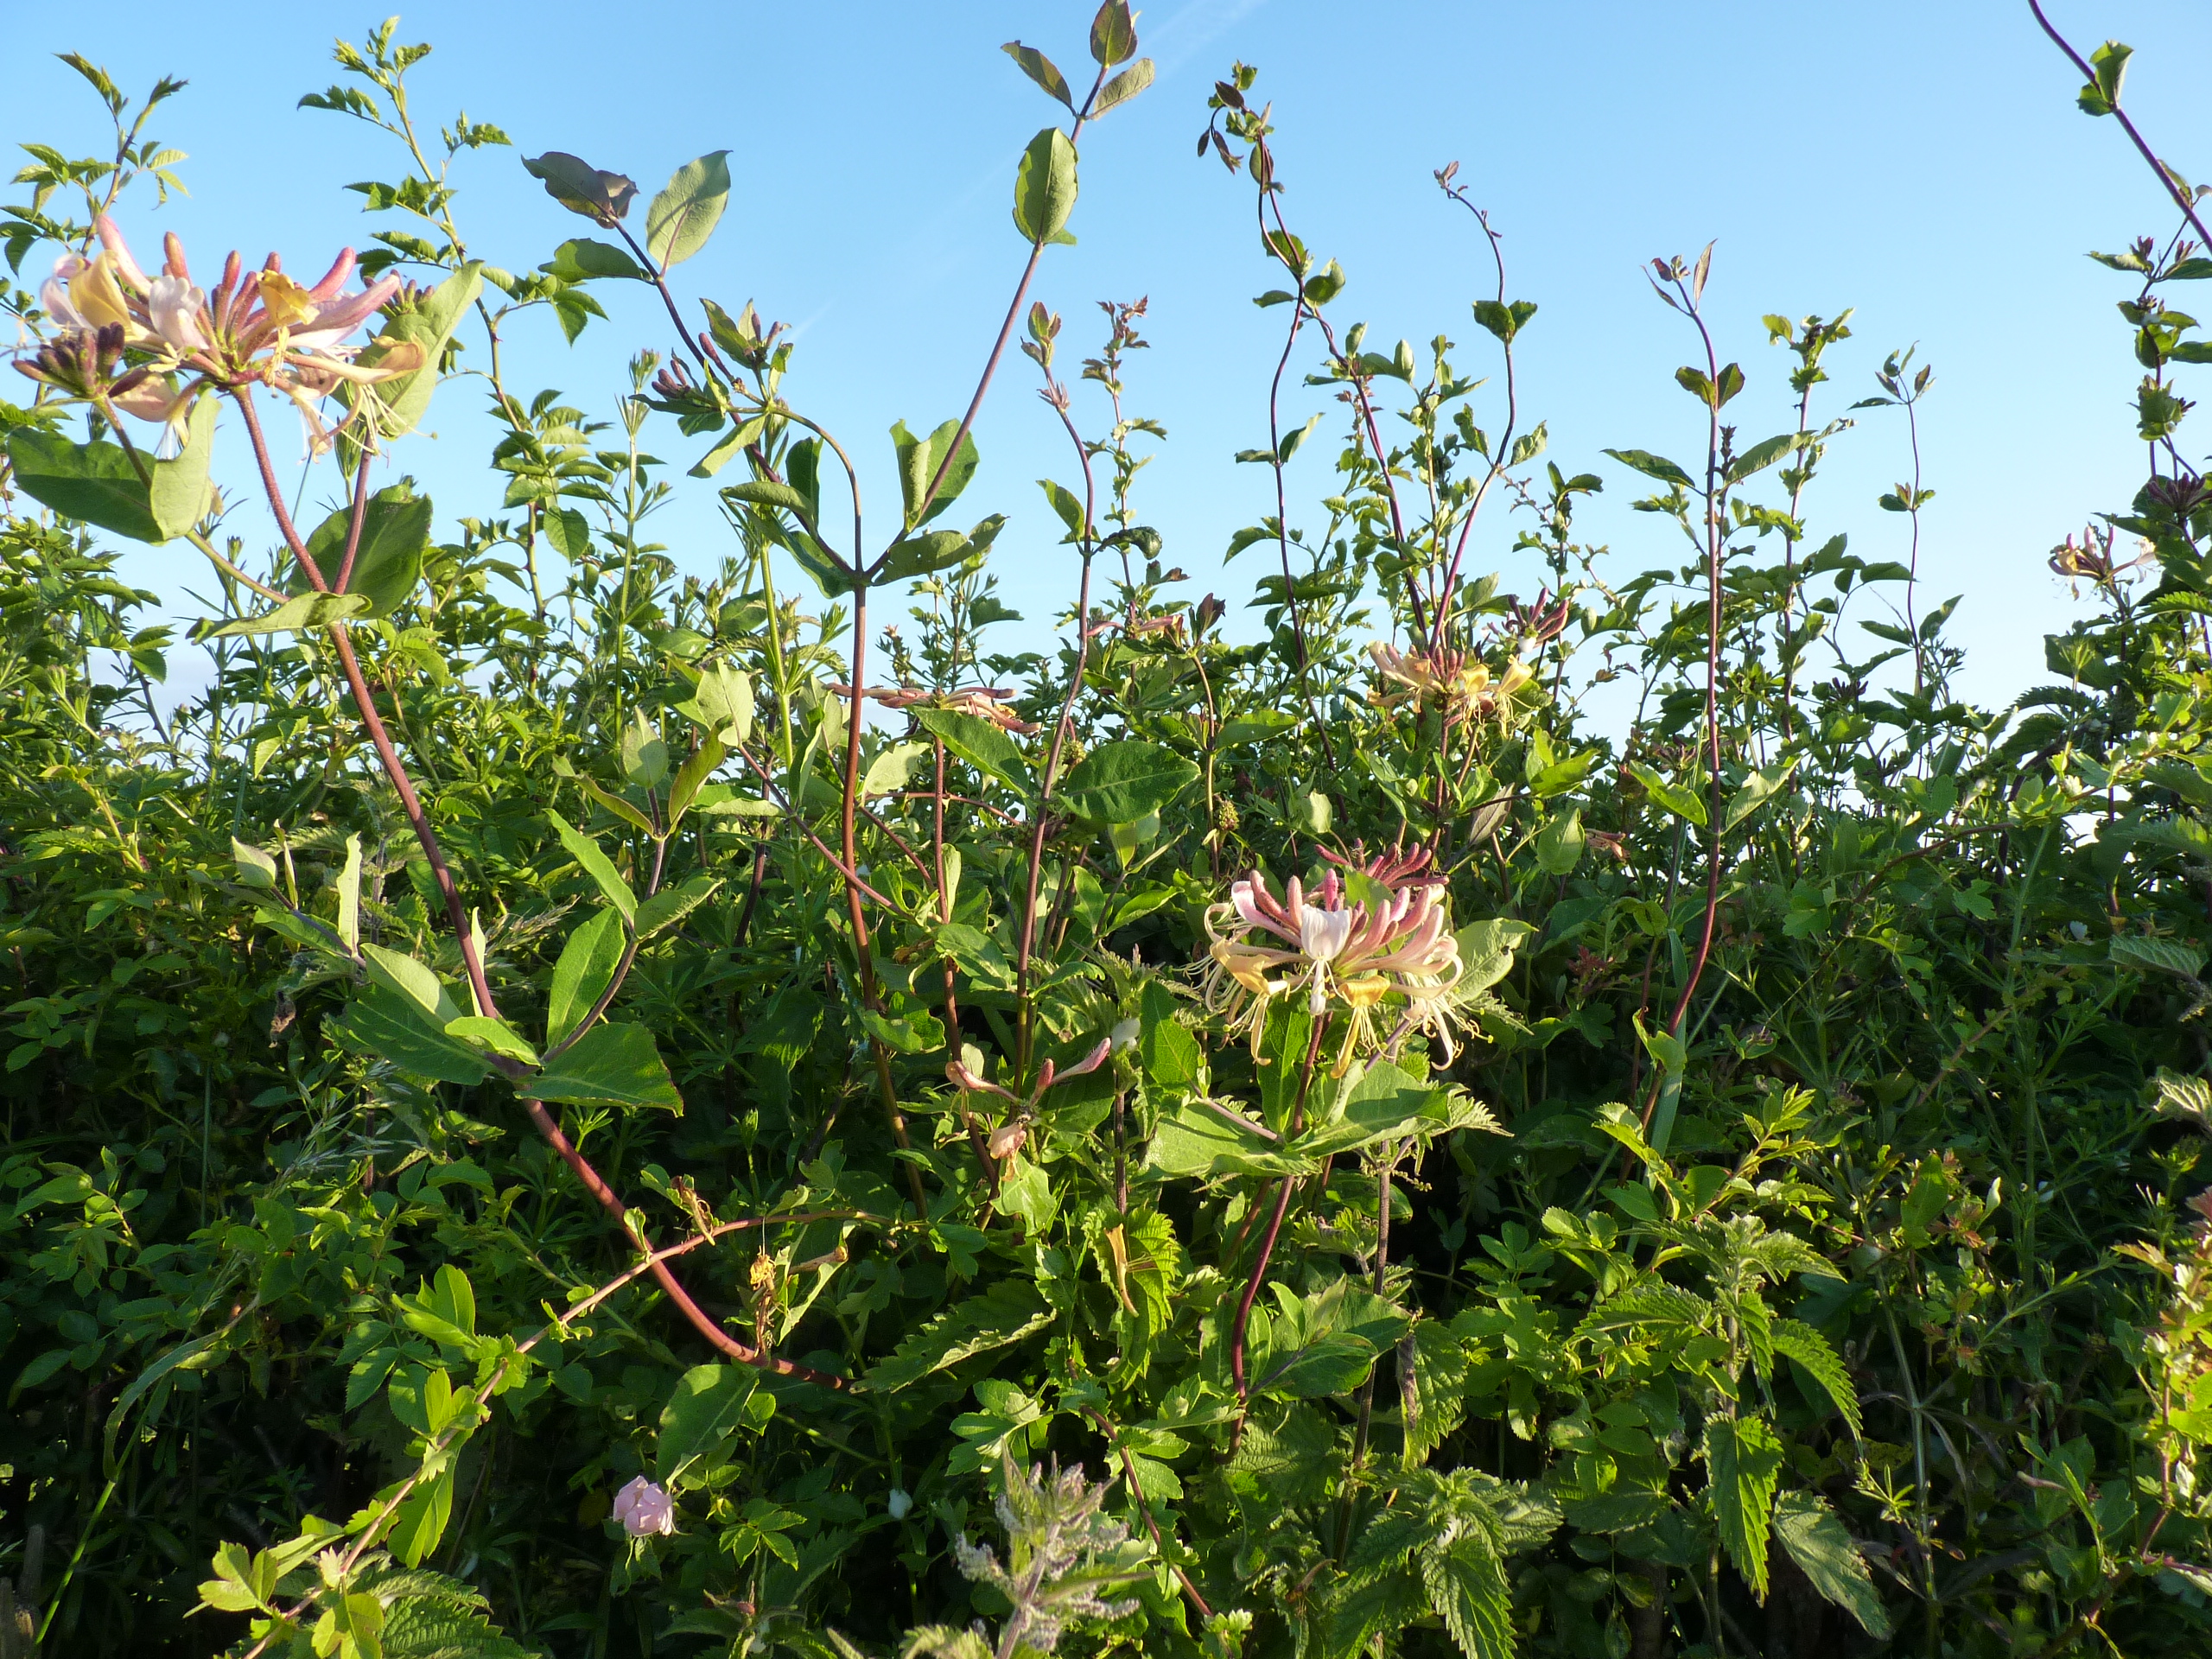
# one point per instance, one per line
(643, 1508)
(54, 293)
(1335, 949)
(1460, 682)
(255, 328)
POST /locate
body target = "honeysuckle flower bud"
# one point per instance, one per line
(645, 1509)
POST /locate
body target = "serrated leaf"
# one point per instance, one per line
(1824, 1551)
(1002, 1316)
(1120, 781)
(1742, 1459)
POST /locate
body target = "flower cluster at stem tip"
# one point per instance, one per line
(1337, 949)
(171, 340)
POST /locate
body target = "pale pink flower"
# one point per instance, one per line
(643, 1508)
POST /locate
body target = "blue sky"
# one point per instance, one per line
(1924, 163)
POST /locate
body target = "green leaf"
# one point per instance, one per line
(1795, 1340)
(1191, 1140)
(412, 980)
(1683, 803)
(1044, 189)
(580, 187)
(581, 259)
(1467, 1587)
(421, 1518)
(1823, 1550)
(1759, 788)
(1113, 33)
(2160, 955)
(919, 461)
(255, 867)
(582, 977)
(93, 483)
(496, 1035)
(1002, 1316)
(297, 616)
(691, 777)
(387, 561)
(709, 1401)
(1040, 69)
(1762, 456)
(672, 904)
(1560, 843)
(891, 769)
(403, 402)
(179, 498)
(1651, 466)
(384, 1025)
(685, 214)
(1742, 1458)
(608, 1066)
(349, 895)
(1120, 781)
(1385, 1103)
(980, 744)
(1123, 88)
(596, 865)
(722, 703)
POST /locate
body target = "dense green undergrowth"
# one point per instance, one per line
(564, 1106)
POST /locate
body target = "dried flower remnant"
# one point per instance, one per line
(1007, 1138)
(1334, 948)
(987, 703)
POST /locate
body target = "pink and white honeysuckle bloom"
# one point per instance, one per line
(645, 1509)
(255, 328)
(1335, 949)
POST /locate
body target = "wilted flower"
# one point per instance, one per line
(984, 702)
(1335, 949)
(643, 1507)
(257, 327)
(1460, 682)
(1007, 1138)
